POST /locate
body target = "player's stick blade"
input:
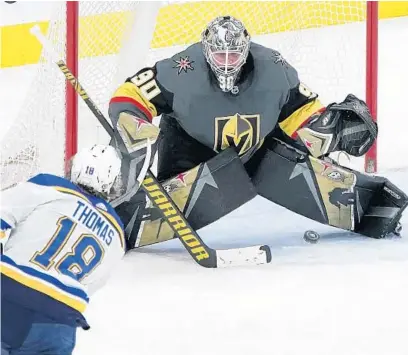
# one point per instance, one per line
(254, 255)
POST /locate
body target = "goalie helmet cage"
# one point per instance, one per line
(329, 43)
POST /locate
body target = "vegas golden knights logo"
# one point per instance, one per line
(239, 131)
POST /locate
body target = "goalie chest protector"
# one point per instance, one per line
(218, 119)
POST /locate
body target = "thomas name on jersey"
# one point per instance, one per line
(91, 219)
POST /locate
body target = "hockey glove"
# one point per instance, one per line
(347, 126)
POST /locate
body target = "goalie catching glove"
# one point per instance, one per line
(347, 126)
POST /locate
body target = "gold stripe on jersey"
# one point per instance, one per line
(42, 287)
(72, 192)
(291, 124)
(131, 91)
(108, 216)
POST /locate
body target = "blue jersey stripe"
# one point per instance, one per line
(48, 278)
(4, 225)
(53, 180)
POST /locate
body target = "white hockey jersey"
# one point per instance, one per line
(63, 241)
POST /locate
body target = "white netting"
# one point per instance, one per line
(35, 142)
(114, 42)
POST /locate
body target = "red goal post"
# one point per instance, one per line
(370, 165)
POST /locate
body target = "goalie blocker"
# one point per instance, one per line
(315, 188)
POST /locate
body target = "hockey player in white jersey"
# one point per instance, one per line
(60, 239)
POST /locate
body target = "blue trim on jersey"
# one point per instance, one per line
(4, 225)
(57, 181)
(30, 299)
(53, 180)
(48, 278)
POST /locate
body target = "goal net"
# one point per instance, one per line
(324, 41)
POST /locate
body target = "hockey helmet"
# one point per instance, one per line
(97, 170)
(226, 45)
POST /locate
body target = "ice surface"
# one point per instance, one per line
(345, 295)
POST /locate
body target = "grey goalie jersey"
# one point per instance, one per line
(269, 95)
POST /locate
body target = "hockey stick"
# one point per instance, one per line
(201, 253)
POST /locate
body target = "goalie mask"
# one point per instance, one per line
(226, 45)
(97, 171)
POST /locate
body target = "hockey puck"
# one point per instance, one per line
(311, 236)
(398, 229)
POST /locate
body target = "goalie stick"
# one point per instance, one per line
(201, 253)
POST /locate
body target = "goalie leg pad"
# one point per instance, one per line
(327, 192)
(384, 211)
(204, 194)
